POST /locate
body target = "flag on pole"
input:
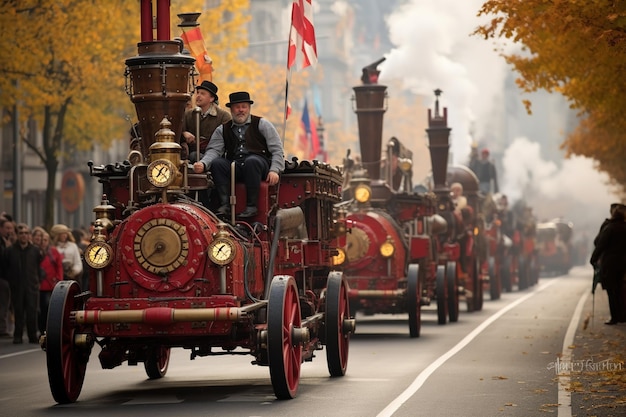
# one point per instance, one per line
(308, 142)
(194, 42)
(302, 46)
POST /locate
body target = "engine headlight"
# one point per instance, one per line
(340, 257)
(387, 249)
(362, 193)
(405, 164)
(98, 255)
(222, 251)
(161, 173)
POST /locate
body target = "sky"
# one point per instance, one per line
(433, 49)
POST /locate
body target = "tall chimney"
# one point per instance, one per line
(439, 144)
(370, 109)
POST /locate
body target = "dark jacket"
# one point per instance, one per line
(255, 142)
(23, 267)
(609, 252)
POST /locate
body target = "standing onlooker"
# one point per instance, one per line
(62, 239)
(7, 231)
(52, 269)
(608, 255)
(485, 171)
(23, 261)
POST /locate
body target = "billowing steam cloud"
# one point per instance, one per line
(434, 49)
(575, 191)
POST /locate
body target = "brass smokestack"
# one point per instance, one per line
(158, 84)
(439, 144)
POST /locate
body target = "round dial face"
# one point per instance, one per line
(98, 255)
(222, 251)
(362, 194)
(160, 173)
(386, 249)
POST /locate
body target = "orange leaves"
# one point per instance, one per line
(575, 48)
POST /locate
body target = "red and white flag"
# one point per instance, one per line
(302, 47)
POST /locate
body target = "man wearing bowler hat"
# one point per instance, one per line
(211, 116)
(252, 142)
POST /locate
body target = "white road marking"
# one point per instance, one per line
(426, 373)
(564, 396)
(23, 352)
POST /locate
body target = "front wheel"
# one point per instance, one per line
(339, 325)
(283, 347)
(157, 361)
(66, 361)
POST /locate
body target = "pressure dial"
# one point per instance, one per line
(222, 251)
(98, 255)
(161, 173)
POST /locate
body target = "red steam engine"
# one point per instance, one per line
(390, 255)
(167, 273)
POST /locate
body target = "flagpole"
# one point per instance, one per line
(286, 108)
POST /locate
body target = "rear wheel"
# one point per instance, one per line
(66, 361)
(338, 324)
(453, 293)
(494, 279)
(442, 295)
(414, 300)
(505, 274)
(283, 349)
(478, 286)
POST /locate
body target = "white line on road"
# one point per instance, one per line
(564, 396)
(22, 352)
(426, 373)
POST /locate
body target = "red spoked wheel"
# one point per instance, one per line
(339, 326)
(453, 291)
(442, 295)
(284, 349)
(414, 300)
(157, 361)
(66, 361)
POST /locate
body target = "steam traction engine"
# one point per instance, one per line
(166, 272)
(388, 257)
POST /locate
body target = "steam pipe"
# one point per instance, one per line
(146, 21)
(163, 20)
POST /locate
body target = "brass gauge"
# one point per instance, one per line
(98, 255)
(362, 193)
(340, 257)
(387, 249)
(161, 173)
(222, 251)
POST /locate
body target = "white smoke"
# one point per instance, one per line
(435, 49)
(574, 191)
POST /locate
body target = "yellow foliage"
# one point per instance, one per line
(575, 48)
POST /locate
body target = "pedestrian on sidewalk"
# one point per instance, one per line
(608, 257)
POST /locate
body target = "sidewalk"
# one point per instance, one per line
(598, 368)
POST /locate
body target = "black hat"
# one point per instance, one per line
(239, 97)
(210, 87)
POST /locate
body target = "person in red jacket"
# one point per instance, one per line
(52, 270)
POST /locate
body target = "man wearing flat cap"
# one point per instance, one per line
(211, 116)
(253, 143)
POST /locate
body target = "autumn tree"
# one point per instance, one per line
(67, 62)
(60, 74)
(575, 48)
